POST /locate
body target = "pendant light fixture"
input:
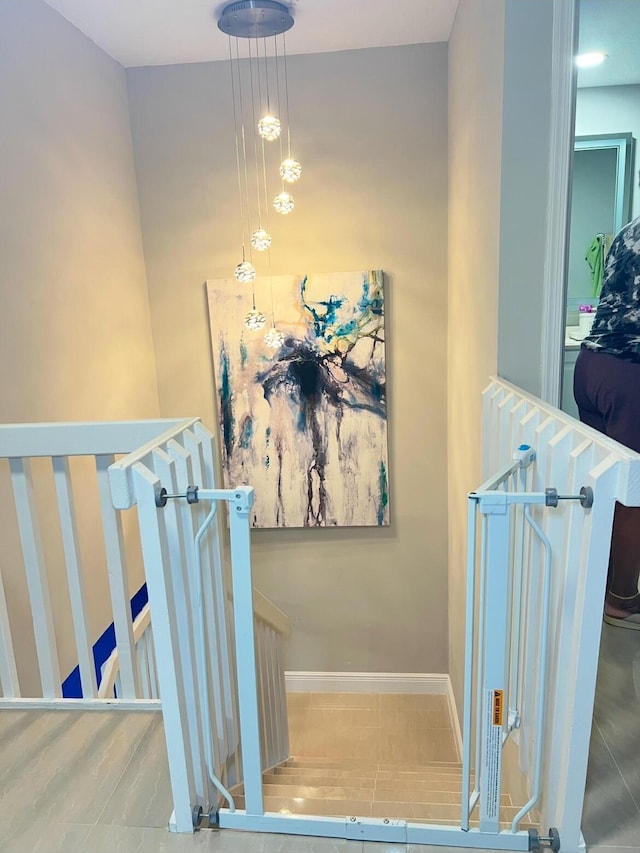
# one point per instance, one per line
(257, 69)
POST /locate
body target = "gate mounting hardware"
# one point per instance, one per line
(585, 497)
(552, 840)
(162, 496)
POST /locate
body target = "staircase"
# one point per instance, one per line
(388, 756)
(428, 793)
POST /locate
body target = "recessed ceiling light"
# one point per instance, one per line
(589, 60)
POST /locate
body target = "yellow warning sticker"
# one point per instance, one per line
(497, 707)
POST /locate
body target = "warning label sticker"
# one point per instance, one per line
(497, 707)
(491, 758)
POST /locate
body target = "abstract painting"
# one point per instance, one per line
(305, 423)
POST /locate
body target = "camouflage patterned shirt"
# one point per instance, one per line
(616, 326)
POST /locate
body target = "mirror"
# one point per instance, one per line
(601, 203)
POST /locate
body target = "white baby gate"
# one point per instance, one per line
(218, 642)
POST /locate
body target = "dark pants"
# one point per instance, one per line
(607, 391)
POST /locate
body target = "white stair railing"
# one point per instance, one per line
(144, 662)
(65, 532)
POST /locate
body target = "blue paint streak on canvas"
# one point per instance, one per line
(384, 494)
(226, 402)
(246, 433)
(244, 355)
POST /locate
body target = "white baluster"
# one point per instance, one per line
(68, 527)
(10, 687)
(155, 550)
(180, 533)
(118, 581)
(37, 582)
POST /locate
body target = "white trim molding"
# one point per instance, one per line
(367, 682)
(80, 704)
(562, 132)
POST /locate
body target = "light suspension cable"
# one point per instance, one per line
(290, 168)
(256, 20)
(244, 271)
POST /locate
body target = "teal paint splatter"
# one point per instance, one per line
(384, 493)
(226, 402)
(244, 355)
(368, 301)
(246, 433)
(335, 321)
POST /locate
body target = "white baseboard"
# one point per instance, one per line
(367, 682)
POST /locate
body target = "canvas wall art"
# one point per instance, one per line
(305, 423)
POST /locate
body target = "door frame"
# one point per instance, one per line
(563, 106)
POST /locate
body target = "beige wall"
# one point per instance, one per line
(526, 136)
(475, 151)
(499, 131)
(371, 129)
(75, 340)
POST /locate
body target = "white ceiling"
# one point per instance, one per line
(612, 26)
(165, 32)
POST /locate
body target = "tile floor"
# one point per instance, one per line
(110, 770)
(611, 817)
(389, 728)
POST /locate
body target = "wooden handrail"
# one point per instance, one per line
(266, 610)
(112, 664)
(263, 608)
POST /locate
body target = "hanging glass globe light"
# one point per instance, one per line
(284, 203)
(255, 320)
(260, 240)
(274, 339)
(269, 128)
(290, 170)
(245, 272)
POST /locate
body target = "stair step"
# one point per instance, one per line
(331, 779)
(426, 774)
(356, 764)
(434, 812)
(401, 785)
(381, 775)
(322, 772)
(364, 794)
